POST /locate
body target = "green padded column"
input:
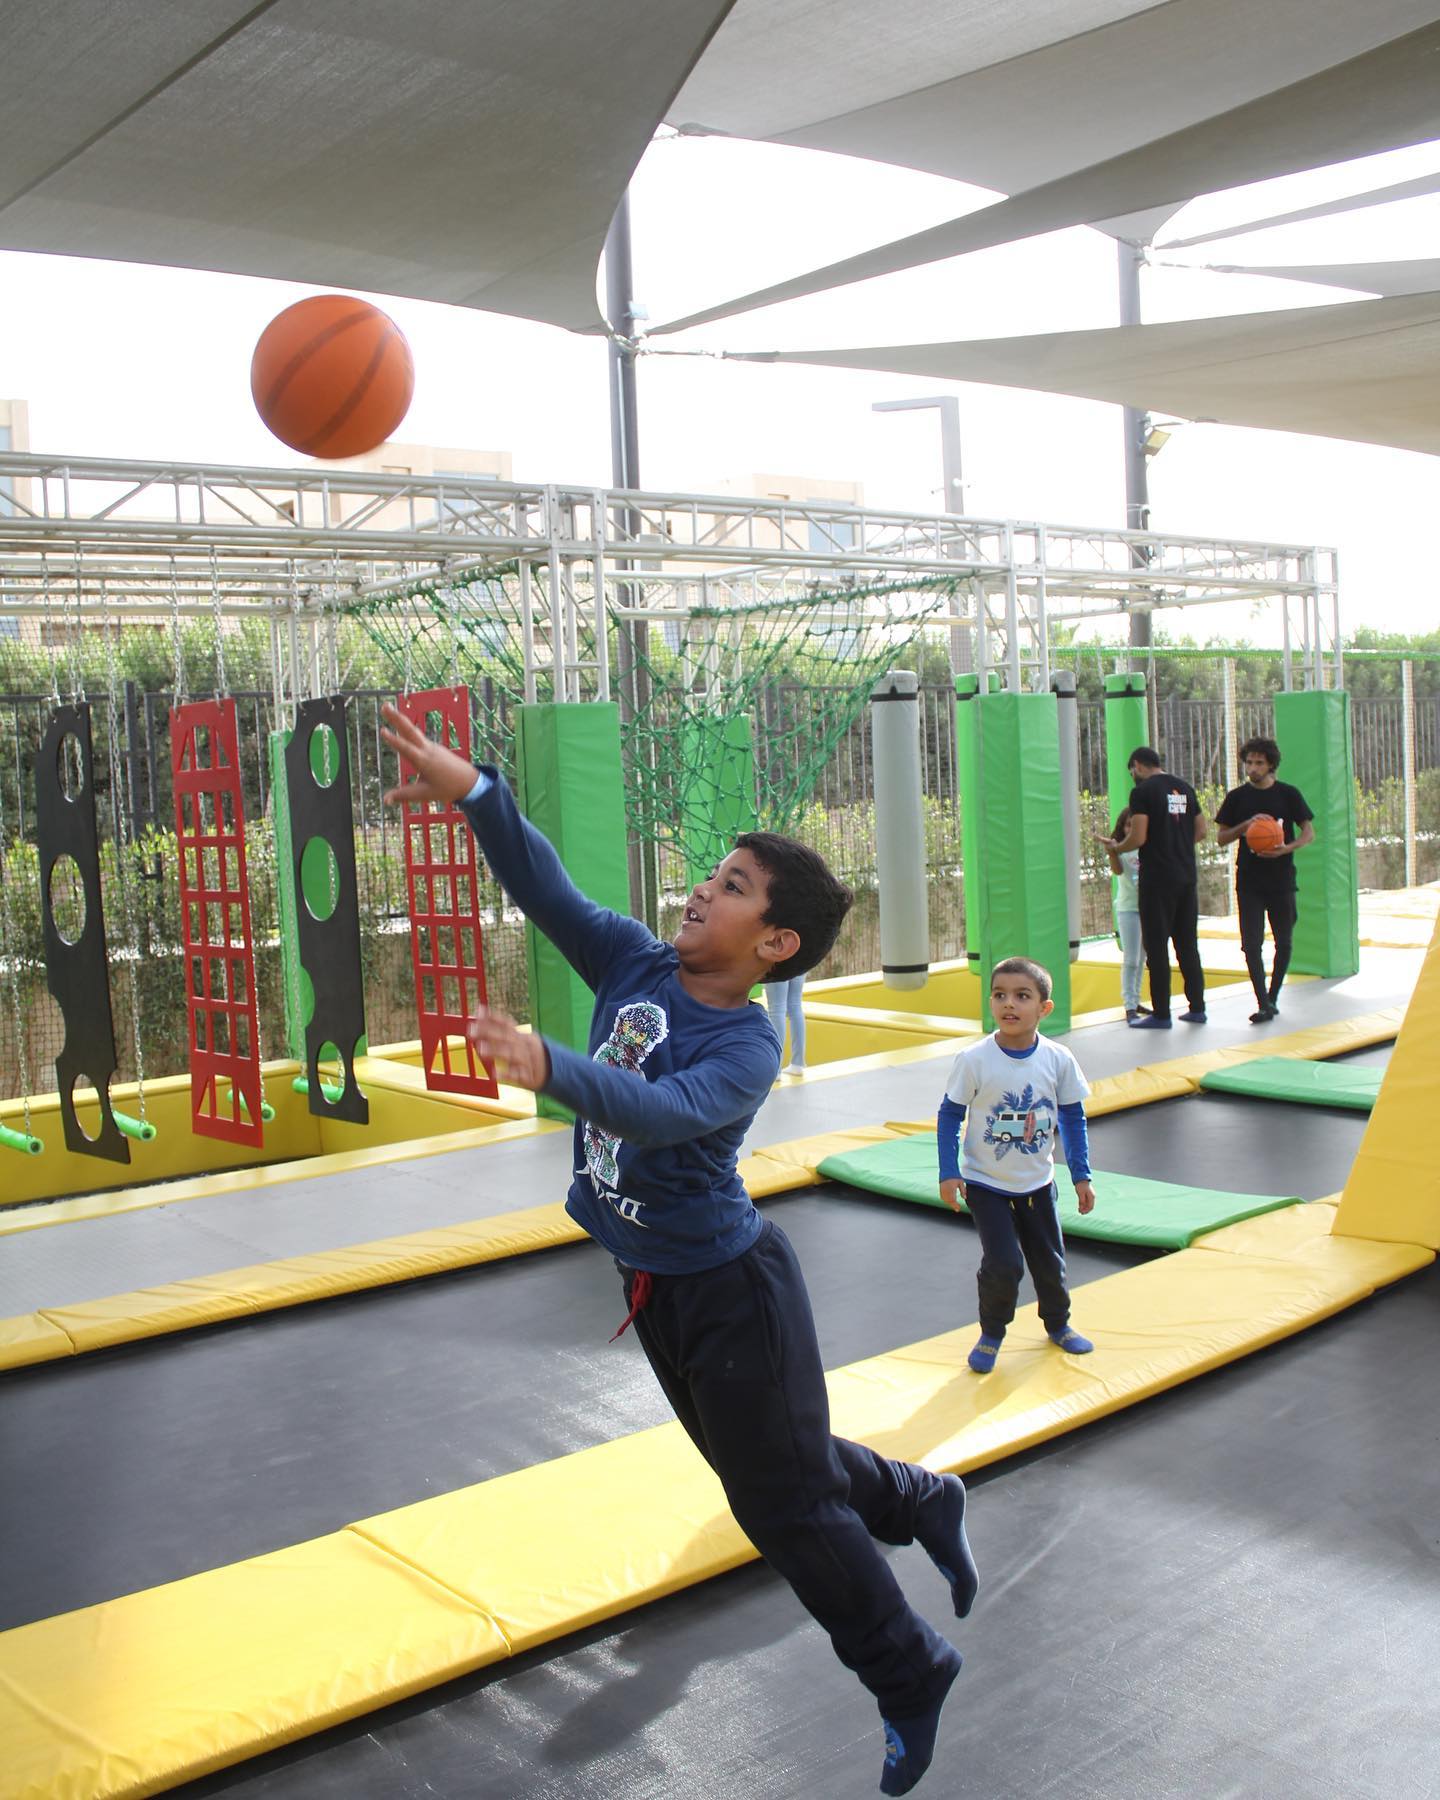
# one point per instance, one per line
(967, 688)
(571, 786)
(718, 800)
(1022, 901)
(1313, 732)
(299, 995)
(1127, 727)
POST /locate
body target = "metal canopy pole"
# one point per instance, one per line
(631, 635)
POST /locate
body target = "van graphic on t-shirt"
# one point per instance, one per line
(1023, 1122)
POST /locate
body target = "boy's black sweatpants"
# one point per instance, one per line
(735, 1350)
(1018, 1231)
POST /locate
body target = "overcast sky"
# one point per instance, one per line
(123, 360)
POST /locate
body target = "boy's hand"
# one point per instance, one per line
(440, 774)
(952, 1193)
(1085, 1196)
(518, 1057)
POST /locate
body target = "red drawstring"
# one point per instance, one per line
(639, 1294)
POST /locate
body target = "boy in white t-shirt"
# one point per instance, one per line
(1019, 1090)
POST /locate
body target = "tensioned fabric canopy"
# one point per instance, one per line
(475, 153)
(1133, 118)
(1419, 275)
(1369, 370)
(472, 153)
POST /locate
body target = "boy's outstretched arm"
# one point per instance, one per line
(523, 859)
(673, 1109)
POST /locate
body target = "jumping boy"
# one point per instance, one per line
(679, 1062)
(1019, 1089)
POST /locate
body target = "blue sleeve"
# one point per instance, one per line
(676, 1108)
(524, 862)
(947, 1131)
(1075, 1136)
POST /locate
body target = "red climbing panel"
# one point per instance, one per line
(225, 1085)
(445, 941)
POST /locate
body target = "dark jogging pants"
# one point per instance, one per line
(1016, 1232)
(1254, 909)
(734, 1349)
(1170, 914)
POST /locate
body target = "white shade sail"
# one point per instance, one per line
(1368, 370)
(470, 153)
(1386, 96)
(1418, 276)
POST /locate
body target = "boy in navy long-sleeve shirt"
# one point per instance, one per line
(679, 1062)
(1019, 1090)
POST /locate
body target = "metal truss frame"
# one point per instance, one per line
(155, 541)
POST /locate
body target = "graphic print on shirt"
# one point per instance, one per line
(638, 1028)
(1024, 1122)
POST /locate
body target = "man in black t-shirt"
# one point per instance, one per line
(1265, 879)
(1165, 825)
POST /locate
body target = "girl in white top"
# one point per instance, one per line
(1126, 870)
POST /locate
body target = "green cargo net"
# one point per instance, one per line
(730, 715)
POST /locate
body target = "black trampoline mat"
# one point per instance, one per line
(1229, 1590)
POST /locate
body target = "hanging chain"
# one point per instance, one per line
(177, 646)
(55, 640)
(222, 681)
(77, 665)
(10, 950)
(122, 874)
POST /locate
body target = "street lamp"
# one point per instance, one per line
(953, 498)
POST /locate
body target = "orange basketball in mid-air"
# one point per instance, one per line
(332, 376)
(1265, 834)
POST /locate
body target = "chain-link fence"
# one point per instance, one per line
(1203, 705)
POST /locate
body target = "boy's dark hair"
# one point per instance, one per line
(1266, 747)
(804, 897)
(1146, 757)
(1027, 966)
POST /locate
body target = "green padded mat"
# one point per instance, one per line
(1311, 1083)
(1128, 1208)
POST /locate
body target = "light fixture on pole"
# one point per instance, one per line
(953, 496)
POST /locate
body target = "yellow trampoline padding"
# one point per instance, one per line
(773, 1172)
(1283, 1230)
(31, 1338)
(1154, 1326)
(57, 1331)
(140, 1693)
(1393, 1190)
(1136, 1087)
(808, 1153)
(564, 1544)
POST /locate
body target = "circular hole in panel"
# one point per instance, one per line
(67, 899)
(83, 1092)
(324, 756)
(319, 878)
